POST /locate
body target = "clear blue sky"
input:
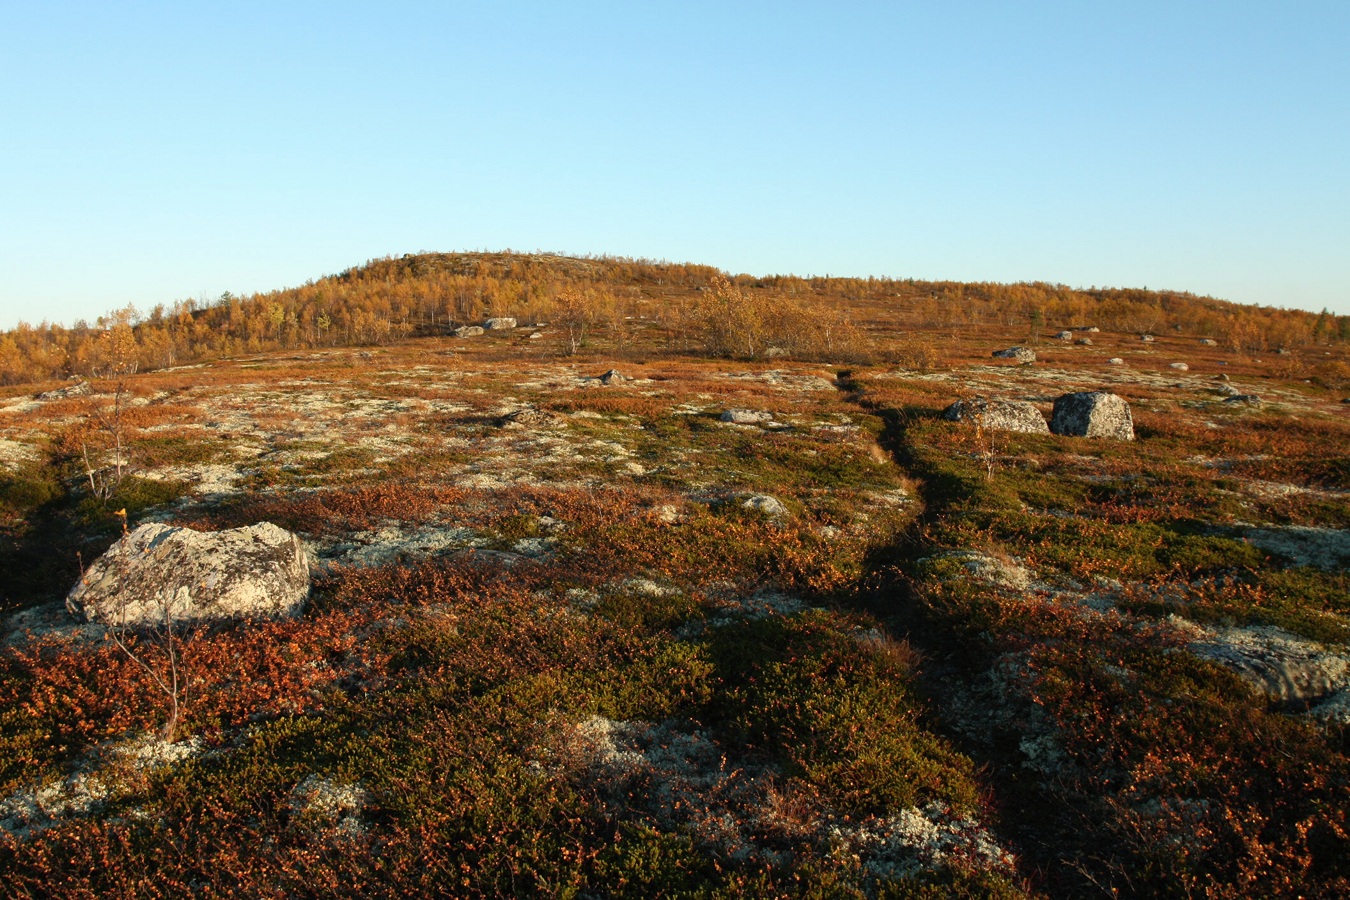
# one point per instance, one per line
(155, 151)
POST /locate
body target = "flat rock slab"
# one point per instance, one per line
(1021, 354)
(162, 572)
(998, 415)
(1305, 545)
(1093, 414)
(1283, 666)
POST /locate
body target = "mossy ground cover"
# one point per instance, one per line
(629, 684)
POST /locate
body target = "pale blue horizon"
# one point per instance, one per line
(156, 152)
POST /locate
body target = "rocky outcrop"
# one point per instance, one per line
(500, 323)
(1093, 414)
(998, 415)
(162, 572)
(1021, 354)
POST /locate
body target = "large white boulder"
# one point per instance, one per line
(162, 571)
(1093, 414)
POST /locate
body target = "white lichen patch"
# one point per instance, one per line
(916, 840)
(15, 454)
(98, 777)
(392, 542)
(329, 806)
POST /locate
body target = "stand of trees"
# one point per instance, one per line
(392, 298)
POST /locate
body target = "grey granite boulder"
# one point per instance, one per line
(161, 572)
(1021, 354)
(998, 415)
(500, 323)
(1093, 414)
(465, 331)
(747, 416)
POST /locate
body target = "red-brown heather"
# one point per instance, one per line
(573, 635)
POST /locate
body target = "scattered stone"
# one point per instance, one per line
(612, 376)
(1084, 342)
(767, 505)
(500, 323)
(1147, 338)
(465, 331)
(160, 572)
(1093, 414)
(1115, 361)
(529, 417)
(1245, 400)
(1208, 342)
(1180, 367)
(747, 416)
(1021, 354)
(1065, 335)
(536, 335)
(998, 415)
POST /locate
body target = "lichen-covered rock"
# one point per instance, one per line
(613, 376)
(530, 417)
(1207, 342)
(991, 570)
(160, 571)
(1093, 414)
(1284, 666)
(1147, 338)
(998, 415)
(1179, 366)
(465, 331)
(1065, 336)
(500, 323)
(1115, 361)
(1084, 342)
(747, 416)
(1244, 400)
(767, 505)
(1021, 354)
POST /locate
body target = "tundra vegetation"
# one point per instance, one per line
(579, 636)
